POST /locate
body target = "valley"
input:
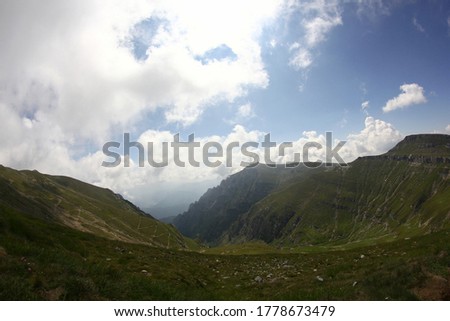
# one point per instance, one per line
(375, 230)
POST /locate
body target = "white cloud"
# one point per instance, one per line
(418, 26)
(377, 137)
(301, 58)
(412, 94)
(69, 79)
(365, 107)
(243, 114)
(136, 182)
(447, 129)
(246, 111)
(318, 27)
(318, 18)
(74, 60)
(374, 8)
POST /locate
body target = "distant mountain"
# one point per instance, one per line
(404, 192)
(81, 206)
(171, 199)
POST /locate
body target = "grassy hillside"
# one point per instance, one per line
(83, 207)
(43, 260)
(373, 199)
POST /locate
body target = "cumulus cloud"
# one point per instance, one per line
(412, 94)
(74, 61)
(135, 182)
(377, 137)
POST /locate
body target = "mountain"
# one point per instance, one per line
(402, 193)
(80, 206)
(215, 211)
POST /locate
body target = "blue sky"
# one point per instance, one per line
(77, 74)
(366, 58)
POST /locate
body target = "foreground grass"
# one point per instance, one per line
(46, 261)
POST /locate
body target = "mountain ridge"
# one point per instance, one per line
(82, 206)
(375, 197)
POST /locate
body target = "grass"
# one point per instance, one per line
(41, 260)
(373, 199)
(84, 207)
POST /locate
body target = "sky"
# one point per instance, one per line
(77, 74)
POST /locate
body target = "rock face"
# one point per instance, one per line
(214, 213)
(403, 192)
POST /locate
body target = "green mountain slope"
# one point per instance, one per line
(402, 193)
(80, 206)
(215, 212)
